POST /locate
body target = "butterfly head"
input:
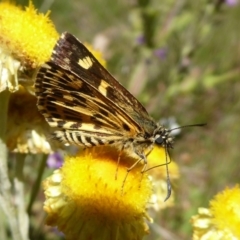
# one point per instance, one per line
(162, 137)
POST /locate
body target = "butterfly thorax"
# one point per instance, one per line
(142, 144)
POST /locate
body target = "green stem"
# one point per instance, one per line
(7, 205)
(22, 215)
(37, 183)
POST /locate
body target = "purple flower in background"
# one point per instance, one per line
(140, 40)
(231, 2)
(55, 160)
(161, 53)
(57, 232)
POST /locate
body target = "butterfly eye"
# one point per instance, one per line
(159, 140)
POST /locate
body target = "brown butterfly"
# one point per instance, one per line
(89, 107)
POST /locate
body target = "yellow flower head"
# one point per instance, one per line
(27, 130)
(30, 36)
(88, 199)
(222, 220)
(225, 208)
(26, 41)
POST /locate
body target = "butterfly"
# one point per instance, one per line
(89, 107)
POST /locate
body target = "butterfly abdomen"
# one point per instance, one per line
(86, 139)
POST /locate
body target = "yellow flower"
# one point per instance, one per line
(155, 158)
(29, 35)
(27, 131)
(225, 208)
(86, 201)
(222, 220)
(26, 41)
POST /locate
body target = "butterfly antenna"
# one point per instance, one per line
(169, 187)
(190, 125)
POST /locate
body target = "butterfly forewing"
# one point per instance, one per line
(72, 96)
(87, 104)
(71, 54)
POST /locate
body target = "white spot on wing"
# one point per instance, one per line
(103, 87)
(85, 63)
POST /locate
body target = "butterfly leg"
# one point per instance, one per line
(118, 161)
(142, 158)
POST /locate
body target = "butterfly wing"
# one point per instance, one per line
(79, 97)
(71, 54)
(71, 104)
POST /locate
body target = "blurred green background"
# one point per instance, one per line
(181, 59)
